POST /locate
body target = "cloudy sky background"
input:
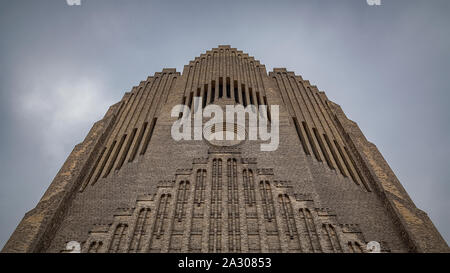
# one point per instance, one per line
(62, 66)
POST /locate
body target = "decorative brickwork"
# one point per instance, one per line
(236, 201)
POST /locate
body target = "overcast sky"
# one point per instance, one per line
(62, 66)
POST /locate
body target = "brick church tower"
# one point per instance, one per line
(130, 187)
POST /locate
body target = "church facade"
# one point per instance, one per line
(131, 187)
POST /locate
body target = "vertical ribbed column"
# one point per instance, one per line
(278, 216)
(127, 129)
(311, 121)
(340, 161)
(110, 144)
(341, 146)
(216, 71)
(232, 74)
(209, 72)
(263, 206)
(170, 82)
(101, 161)
(300, 111)
(189, 216)
(202, 81)
(114, 148)
(141, 120)
(207, 208)
(321, 129)
(167, 232)
(241, 91)
(242, 211)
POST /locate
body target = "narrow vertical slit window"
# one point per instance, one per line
(171, 88)
(198, 95)
(127, 149)
(268, 109)
(104, 161)
(258, 102)
(228, 88)
(213, 91)
(116, 153)
(236, 94)
(300, 136)
(311, 141)
(148, 137)
(356, 168)
(244, 98)
(322, 147)
(190, 100)
(205, 95)
(345, 160)
(220, 87)
(93, 169)
(183, 103)
(250, 94)
(138, 142)
(333, 153)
